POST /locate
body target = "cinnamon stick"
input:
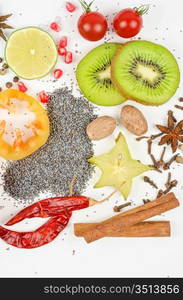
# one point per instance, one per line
(143, 229)
(129, 218)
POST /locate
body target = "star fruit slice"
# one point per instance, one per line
(118, 166)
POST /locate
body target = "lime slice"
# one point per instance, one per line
(31, 53)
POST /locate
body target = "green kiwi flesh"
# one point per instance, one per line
(145, 72)
(94, 76)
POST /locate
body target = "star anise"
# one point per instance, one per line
(173, 134)
(3, 25)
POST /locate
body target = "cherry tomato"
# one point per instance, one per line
(128, 22)
(91, 25)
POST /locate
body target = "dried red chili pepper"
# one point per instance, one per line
(52, 207)
(43, 235)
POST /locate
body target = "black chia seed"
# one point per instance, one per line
(52, 168)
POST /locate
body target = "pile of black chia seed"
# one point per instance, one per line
(52, 168)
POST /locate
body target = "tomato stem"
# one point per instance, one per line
(143, 9)
(86, 7)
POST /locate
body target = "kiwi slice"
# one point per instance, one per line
(145, 72)
(94, 76)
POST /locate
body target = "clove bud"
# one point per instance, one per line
(151, 182)
(118, 208)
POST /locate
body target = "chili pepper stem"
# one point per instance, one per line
(94, 202)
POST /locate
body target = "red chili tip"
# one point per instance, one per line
(44, 98)
(70, 7)
(55, 26)
(57, 73)
(63, 42)
(68, 57)
(22, 87)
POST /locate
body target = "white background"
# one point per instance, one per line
(69, 256)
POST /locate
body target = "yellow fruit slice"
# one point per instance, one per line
(31, 53)
(118, 167)
(19, 140)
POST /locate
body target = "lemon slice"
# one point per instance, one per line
(31, 53)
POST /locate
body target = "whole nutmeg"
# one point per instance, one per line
(133, 120)
(101, 128)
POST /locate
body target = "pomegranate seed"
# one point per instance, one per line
(70, 7)
(68, 57)
(22, 87)
(63, 42)
(55, 26)
(62, 51)
(57, 73)
(44, 98)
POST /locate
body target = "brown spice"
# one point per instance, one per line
(4, 25)
(160, 193)
(149, 143)
(142, 229)
(5, 66)
(168, 180)
(171, 186)
(154, 161)
(121, 222)
(161, 162)
(118, 208)
(172, 134)
(179, 159)
(179, 107)
(155, 136)
(151, 182)
(181, 147)
(155, 169)
(181, 99)
(141, 138)
(3, 71)
(171, 119)
(16, 79)
(156, 164)
(168, 164)
(1, 60)
(4, 18)
(9, 85)
(2, 35)
(146, 201)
